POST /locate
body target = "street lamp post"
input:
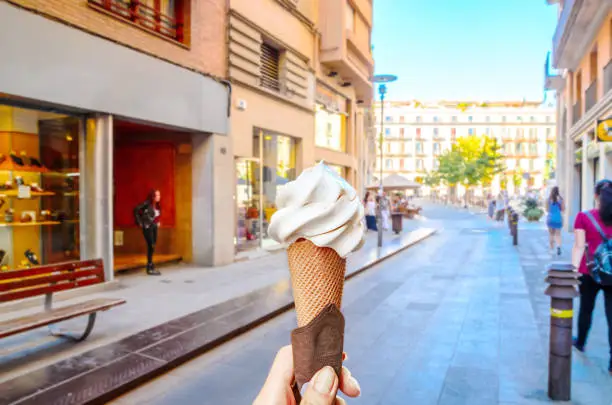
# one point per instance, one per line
(382, 90)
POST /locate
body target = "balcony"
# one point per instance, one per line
(577, 112)
(577, 19)
(590, 97)
(552, 81)
(607, 77)
(147, 17)
(346, 51)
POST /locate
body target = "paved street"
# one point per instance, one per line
(458, 319)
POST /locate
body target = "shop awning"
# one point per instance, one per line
(396, 182)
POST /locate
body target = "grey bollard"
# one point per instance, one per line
(562, 289)
(515, 219)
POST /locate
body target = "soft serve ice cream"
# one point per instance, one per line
(322, 207)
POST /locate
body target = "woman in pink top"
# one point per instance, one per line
(586, 235)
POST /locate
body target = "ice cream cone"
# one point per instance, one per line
(317, 278)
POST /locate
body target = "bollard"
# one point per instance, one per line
(563, 288)
(515, 219)
(508, 214)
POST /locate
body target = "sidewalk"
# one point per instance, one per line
(180, 291)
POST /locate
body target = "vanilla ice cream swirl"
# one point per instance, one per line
(322, 207)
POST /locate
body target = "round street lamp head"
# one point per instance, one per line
(384, 78)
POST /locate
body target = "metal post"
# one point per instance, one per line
(515, 219)
(563, 288)
(381, 90)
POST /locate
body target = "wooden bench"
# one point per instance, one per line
(46, 280)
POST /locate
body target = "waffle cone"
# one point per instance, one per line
(317, 278)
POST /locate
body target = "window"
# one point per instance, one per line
(519, 118)
(488, 119)
(436, 131)
(402, 164)
(436, 164)
(401, 132)
(454, 118)
(533, 149)
(519, 148)
(436, 148)
(164, 17)
(488, 131)
(531, 165)
(350, 17)
(387, 131)
(388, 118)
(418, 131)
(419, 118)
(330, 129)
(388, 148)
(532, 119)
(548, 118)
(470, 118)
(504, 118)
(419, 164)
(402, 118)
(471, 131)
(419, 147)
(435, 118)
(388, 164)
(548, 132)
(403, 147)
(269, 69)
(549, 147)
(453, 131)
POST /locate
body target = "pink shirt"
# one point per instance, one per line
(592, 237)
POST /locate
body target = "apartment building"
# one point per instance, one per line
(416, 133)
(100, 102)
(582, 78)
(300, 72)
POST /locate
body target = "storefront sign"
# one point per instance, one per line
(604, 130)
(330, 100)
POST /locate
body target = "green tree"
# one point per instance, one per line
(450, 169)
(492, 160)
(517, 179)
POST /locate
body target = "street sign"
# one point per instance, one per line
(604, 129)
(384, 78)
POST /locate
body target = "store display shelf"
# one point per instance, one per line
(40, 223)
(46, 173)
(14, 193)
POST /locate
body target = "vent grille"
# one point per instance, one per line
(269, 62)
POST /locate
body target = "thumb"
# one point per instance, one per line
(322, 388)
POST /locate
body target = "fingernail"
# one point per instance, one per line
(324, 381)
(355, 384)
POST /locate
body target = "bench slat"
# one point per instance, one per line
(29, 322)
(33, 292)
(52, 268)
(46, 280)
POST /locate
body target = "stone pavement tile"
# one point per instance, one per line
(415, 386)
(467, 385)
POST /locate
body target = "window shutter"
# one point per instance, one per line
(269, 61)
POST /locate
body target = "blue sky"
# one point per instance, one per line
(463, 49)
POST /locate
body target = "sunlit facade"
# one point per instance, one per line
(416, 133)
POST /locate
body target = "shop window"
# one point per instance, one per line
(39, 183)
(165, 17)
(269, 66)
(331, 129)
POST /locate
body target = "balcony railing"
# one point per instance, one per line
(143, 15)
(590, 98)
(607, 75)
(577, 112)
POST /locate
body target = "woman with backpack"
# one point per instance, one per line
(591, 229)
(554, 221)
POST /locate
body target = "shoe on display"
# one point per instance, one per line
(31, 256)
(16, 159)
(3, 258)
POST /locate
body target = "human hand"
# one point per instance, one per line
(277, 390)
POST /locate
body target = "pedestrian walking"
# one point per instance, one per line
(500, 208)
(588, 229)
(554, 220)
(491, 207)
(147, 217)
(370, 211)
(385, 212)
